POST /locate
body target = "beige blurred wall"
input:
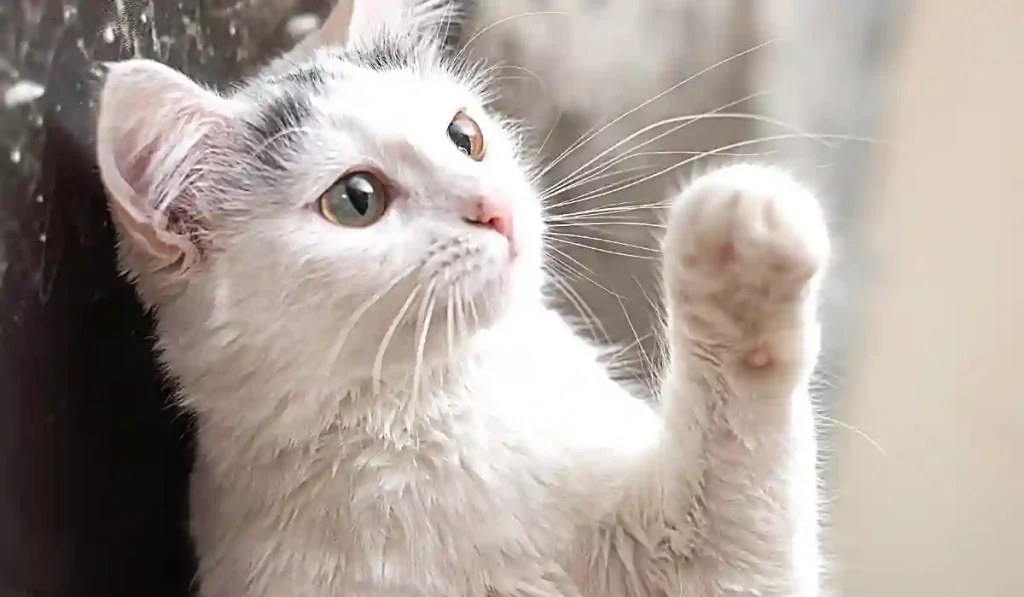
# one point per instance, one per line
(939, 380)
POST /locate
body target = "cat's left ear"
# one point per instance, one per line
(151, 133)
(353, 21)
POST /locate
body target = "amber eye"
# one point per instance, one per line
(465, 134)
(358, 199)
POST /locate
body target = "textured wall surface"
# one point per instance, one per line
(93, 462)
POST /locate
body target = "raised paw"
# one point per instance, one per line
(742, 254)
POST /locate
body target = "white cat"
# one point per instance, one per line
(345, 258)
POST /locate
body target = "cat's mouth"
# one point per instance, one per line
(472, 271)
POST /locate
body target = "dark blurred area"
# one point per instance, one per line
(94, 459)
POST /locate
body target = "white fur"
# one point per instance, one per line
(487, 450)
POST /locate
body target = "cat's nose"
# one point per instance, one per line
(496, 215)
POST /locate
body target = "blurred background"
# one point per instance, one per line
(900, 114)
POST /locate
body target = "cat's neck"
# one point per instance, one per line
(401, 406)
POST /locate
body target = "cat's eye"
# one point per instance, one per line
(465, 133)
(357, 199)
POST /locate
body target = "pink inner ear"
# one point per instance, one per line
(144, 111)
(145, 232)
(374, 16)
(336, 28)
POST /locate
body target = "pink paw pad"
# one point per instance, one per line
(759, 358)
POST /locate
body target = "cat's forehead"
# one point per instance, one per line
(386, 104)
(388, 80)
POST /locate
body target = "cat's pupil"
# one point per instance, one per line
(360, 193)
(460, 138)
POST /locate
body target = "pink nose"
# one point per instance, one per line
(495, 215)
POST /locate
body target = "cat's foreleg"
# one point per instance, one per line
(728, 504)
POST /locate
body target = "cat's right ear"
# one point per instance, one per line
(351, 19)
(150, 132)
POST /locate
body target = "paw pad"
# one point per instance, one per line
(759, 358)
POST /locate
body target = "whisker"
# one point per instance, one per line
(697, 154)
(427, 304)
(504, 20)
(350, 323)
(862, 434)
(378, 361)
(648, 364)
(449, 324)
(532, 75)
(540, 150)
(475, 314)
(589, 180)
(594, 178)
(448, 16)
(461, 303)
(680, 121)
(586, 314)
(611, 187)
(577, 262)
(595, 212)
(683, 163)
(588, 224)
(655, 306)
(605, 251)
(560, 235)
(686, 121)
(640, 106)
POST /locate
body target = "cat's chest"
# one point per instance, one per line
(448, 508)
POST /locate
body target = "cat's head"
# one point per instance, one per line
(353, 194)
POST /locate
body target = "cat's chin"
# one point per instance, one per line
(481, 301)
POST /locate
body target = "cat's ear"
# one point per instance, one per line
(354, 20)
(372, 17)
(150, 132)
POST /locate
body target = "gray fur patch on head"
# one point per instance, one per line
(282, 98)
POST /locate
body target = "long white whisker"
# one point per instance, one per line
(561, 235)
(596, 212)
(652, 100)
(592, 179)
(427, 304)
(475, 314)
(449, 324)
(461, 326)
(605, 251)
(378, 361)
(587, 315)
(581, 265)
(448, 16)
(504, 20)
(705, 154)
(551, 131)
(588, 224)
(685, 121)
(639, 345)
(350, 323)
(613, 188)
(864, 435)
